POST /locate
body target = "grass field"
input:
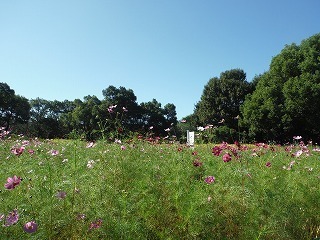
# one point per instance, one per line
(71, 189)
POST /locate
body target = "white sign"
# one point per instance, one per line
(190, 138)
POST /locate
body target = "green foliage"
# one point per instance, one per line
(158, 191)
(14, 109)
(222, 98)
(286, 100)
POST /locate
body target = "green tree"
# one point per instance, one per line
(286, 101)
(14, 109)
(222, 97)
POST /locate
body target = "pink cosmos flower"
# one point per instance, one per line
(12, 218)
(123, 147)
(297, 154)
(17, 150)
(197, 163)
(95, 224)
(226, 157)
(210, 179)
(268, 164)
(216, 150)
(12, 182)
(30, 227)
(31, 151)
(54, 152)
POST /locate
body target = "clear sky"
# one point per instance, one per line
(162, 49)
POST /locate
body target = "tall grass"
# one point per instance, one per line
(140, 190)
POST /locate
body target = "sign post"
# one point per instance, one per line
(190, 138)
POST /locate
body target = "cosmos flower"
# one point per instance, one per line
(95, 224)
(54, 152)
(197, 163)
(268, 164)
(12, 182)
(226, 157)
(17, 150)
(210, 179)
(216, 150)
(90, 145)
(30, 227)
(12, 218)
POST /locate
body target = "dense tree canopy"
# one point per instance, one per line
(222, 97)
(286, 101)
(14, 109)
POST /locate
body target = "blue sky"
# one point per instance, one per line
(167, 50)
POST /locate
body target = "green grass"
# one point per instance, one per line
(153, 191)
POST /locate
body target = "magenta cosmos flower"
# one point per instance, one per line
(226, 157)
(268, 164)
(30, 227)
(210, 179)
(18, 150)
(12, 182)
(12, 218)
(96, 224)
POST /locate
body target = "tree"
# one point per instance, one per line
(127, 107)
(286, 101)
(14, 109)
(46, 118)
(222, 97)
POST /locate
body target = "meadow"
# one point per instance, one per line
(73, 189)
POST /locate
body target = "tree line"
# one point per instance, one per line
(116, 116)
(275, 106)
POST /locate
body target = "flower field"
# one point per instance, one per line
(72, 189)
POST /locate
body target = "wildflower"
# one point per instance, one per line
(30, 227)
(167, 130)
(194, 153)
(61, 195)
(179, 149)
(30, 151)
(268, 164)
(54, 152)
(90, 164)
(17, 150)
(123, 147)
(200, 129)
(209, 198)
(297, 154)
(216, 150)
(65, 160)
(197, 163)
(117, 141)
(209, 179)
(297, 137)
(81, 216)
(150, 127)
(12, 218)
(183, 121)
(12, 182)
(90, 145)
(226, 157)
(96, 224)
(124, 109)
